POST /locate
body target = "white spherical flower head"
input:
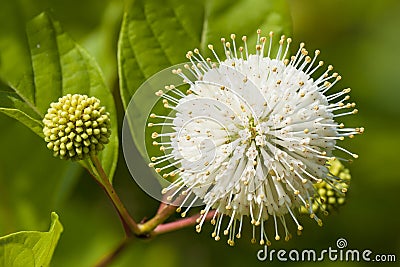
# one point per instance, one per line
(252, 135)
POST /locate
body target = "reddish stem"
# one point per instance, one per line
(172, 226)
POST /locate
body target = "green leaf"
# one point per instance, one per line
(14, 53)
(59, 66)
(154, 38)
(14, 106)
(30, 248)
(101, 41)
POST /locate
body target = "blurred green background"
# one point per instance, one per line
(360, 38)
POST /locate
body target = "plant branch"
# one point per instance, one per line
(164, 211)
(109, 258)
(130, 226)
(172, 226)
(163, 214)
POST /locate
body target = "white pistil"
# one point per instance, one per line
(320, 64)
(219, 221)
(183, 214)
(170, 98)
(230, 223)
(203, 218)
(287, 233)
(202, 61)
(244, 39)
(316, 54)
(355, 111)
(211, 47)
(161, 117)
(179, 209)
(174, 90)
(277, 237)
(299, 227)
(288, 41)
(262, 233)
(346, 151)
(239, 234)
(233, 37)
(271, 34)
(339, 94)
(160, 124)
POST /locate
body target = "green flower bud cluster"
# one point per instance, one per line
(328, 198)
(76, 127)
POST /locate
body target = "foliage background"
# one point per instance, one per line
(360, 38)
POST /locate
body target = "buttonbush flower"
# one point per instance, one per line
(76, 127)
(252, 136)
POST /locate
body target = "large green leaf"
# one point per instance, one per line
(58, 67)
(30, 248)
(156, 34)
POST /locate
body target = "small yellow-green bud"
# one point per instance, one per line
(329, 199)
(76, 127)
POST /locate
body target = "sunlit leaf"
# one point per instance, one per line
(30, 248)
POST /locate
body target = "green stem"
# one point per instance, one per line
(164, 211)
(130, 226)
(163, 214)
